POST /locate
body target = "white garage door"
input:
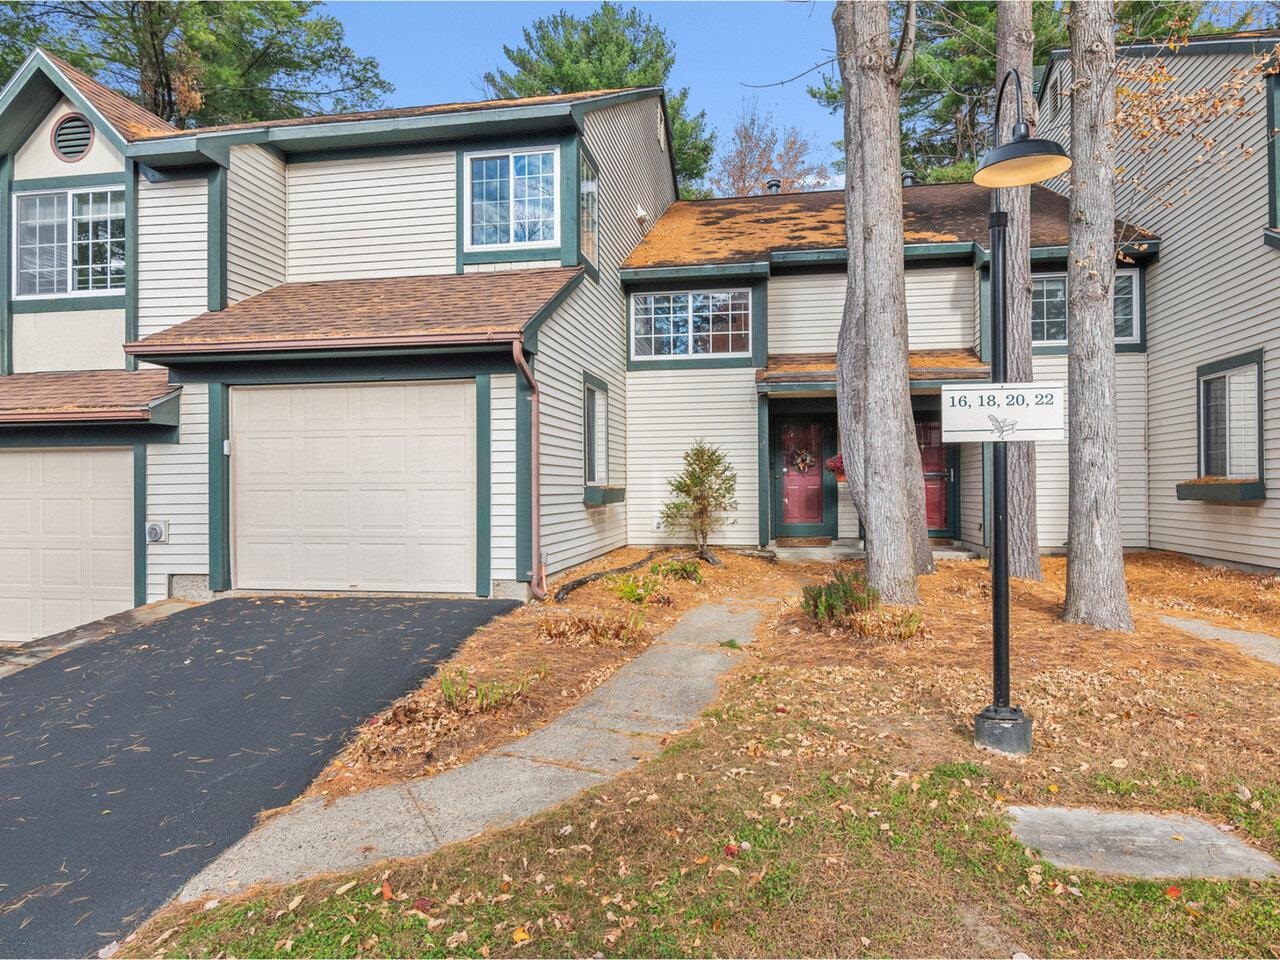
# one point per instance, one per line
(66, 538)
(354, 487)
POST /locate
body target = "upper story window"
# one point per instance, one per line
(588, 208)
(69, 241)
(1230, 415)
(514, 200)
(695, 323)
(1273, 148)
(1049, 308)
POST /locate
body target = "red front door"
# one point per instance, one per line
(802, 473)
(933, 458)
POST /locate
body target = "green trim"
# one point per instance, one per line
(167, 411)
(722, 271)
(764, 460)
(182, 363)
(6, 264)
(111, 301)
(71, 182)
(599, 495)
(524, 480)
(565, 250)
(984, 313)
(216, 247)
(759, 357)
(534, 326)
(16, 90)
(219, 488)
(1271, 238)
(139, 524)
(1230, 363)
(1273, 151)
(814, 386)
(102, 434)
(1204, 48)
(952, 530)
(1132, 346)
(583, 259)
(463, 366)
(1244, 491)
(830, 492)
(131, 259)
(484, 475)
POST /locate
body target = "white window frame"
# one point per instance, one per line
(695, 357)
(70, 193)
(467, 245)
(1135, 337)
(585, 158)
(595, 397)
(1253, 369)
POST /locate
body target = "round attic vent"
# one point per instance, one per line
(72, 137)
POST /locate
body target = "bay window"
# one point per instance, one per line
(1049, 308)
(513, 198)
(695, 323)
(69, 241)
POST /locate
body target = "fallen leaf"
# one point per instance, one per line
(1173, 893)
(293, 904)
(345, 887)
(386, 890)
(519, 935)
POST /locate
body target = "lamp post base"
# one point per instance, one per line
(1005, 730)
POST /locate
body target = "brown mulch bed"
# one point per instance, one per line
(540, 673)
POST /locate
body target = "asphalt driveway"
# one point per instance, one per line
(128, 764)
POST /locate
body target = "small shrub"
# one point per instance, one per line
(703, 494)
(459, 694)
(595, 631)
(677, 570)
(635, 589)
(455, 688)
(845, 593)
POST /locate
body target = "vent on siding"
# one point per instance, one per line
(72, 136)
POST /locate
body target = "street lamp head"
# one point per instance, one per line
(1022, 161)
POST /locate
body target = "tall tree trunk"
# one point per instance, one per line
(1095, 558)
(895, 523)
(1014, 38)
(851, 348)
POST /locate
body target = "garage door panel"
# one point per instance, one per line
(66, 525)
(379, 481)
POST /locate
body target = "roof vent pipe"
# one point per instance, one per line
(908, 178)
(774, 186)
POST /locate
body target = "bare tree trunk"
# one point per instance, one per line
(1014, 38)
(851, 348)
(1095, 557)
(894, 523)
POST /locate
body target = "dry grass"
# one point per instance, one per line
(538, 661)
(832, 803)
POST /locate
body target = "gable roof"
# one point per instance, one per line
(131, 121)
(399, 113)
(737, 230)
(83, 395)
(443, 309)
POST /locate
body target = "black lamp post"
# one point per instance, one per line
(1022, 161)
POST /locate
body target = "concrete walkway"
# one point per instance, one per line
(618, 724)
(1138, 844)
(1261, 645)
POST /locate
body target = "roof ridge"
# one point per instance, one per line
(128, 118)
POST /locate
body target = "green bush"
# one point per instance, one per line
(635, 589)
(841, 596)
(703, 495)
(677, 570)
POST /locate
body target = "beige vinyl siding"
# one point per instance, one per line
(255, 222)
(1214, 293)
(805, 310)
(1051, 458)
(172, 240)
(502, 481)
(667, 412)
(68, 340)
(376, 216)
(178, 491)
(516, 265)
(846, 516)
(588, 333)
(971, 494)
(36, 158)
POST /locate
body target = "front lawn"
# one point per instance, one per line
(832, 803)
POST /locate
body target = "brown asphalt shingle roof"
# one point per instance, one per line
(82, 395)
(131, 120)
(921, 365)
(387, 311)
(748, 229)
(394, 113)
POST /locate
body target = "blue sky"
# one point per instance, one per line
(437, 52)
